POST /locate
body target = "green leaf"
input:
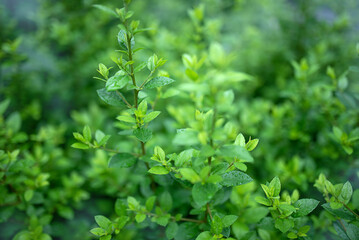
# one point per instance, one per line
(121, 222)
(216, 225)
(142, 134)
(342, 212)
(111, 98)
(235, 178)
(263, 201)
(87, 133)
(103, 222)
(337, 132)
(292, 235)
(104, 140)
(79, 137)
(264, 234)
(304, 229)
(346, 192)
(103, 70)
(286, 209)
(229, 220)
(150, 202)
(108, 237)
(120, 207)
(184, 157)
(240, 166)
(140, 66)
(276, 186)
(142, 107)
(152, 115)
(158, 151)
(98, 232)
(158, 82)
(140, 217)
(126, 118)
(132, 203)
(235, 151)
(116, 82)
(166, 201)
(255, 214)
(122, 160)
(105, 9)
(203, 193)
(284, 224)
(98, 135)
(101, 138)
(352, 231)
(204, 236)
(171, 230)
(190, 175)
(65, 212)
(28, 195)
(13, 122)
(163, 220)
(305, 206)
(240, 140)
(4, 105)
(159, 170)
(122, 40)
(80, 146)
(355, 199)
(252, 144)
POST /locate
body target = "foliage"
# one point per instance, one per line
(200, 103)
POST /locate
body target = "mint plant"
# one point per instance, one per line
(288, 211)
(178, 159)
(206, 171)
(341, 204)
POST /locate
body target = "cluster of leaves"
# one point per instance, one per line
(211, 167)
(341, 204)
(179, 148)
(33, 186)
(286, 210)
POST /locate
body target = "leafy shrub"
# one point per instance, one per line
(206, 111)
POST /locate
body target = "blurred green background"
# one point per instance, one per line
(49, 52)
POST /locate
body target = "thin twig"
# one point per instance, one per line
(124, 99)
(173, 218)
(209, 212)
(149, 76)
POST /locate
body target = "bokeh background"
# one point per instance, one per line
(303, 66)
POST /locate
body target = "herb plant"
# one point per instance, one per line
(212, 120)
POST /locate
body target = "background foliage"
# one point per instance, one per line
(284, 72)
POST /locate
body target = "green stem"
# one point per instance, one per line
(130, 58)
(149, 76)
(346, 206)
(124, 99)
(173, 218)
(208, 212)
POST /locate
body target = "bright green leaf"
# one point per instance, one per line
(159, 170)
(158, 82)
(122, 160)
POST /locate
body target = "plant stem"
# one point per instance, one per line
(230, 165)
(124, 99)
(349, 209)
(135, 91)
(173, 218)
(341, 223)
(208, 211)
(346, 206)
(211, 133)
(130, 58)
(149, 76)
